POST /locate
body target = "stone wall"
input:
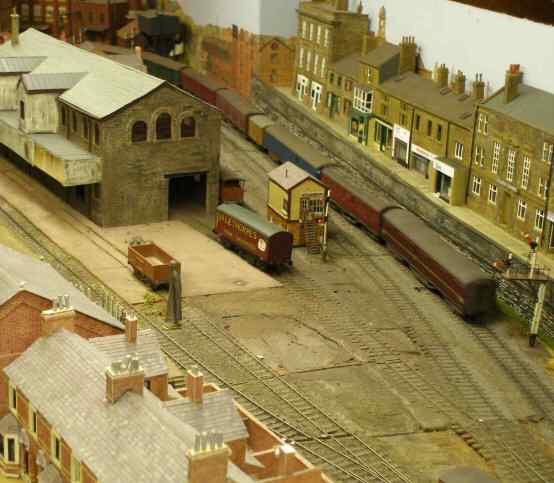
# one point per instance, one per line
(475, 244)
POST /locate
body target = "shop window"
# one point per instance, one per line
(22, 109)
(96, 134)
(188, 127)
(139, 132)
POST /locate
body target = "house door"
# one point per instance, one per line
(301, 86)
(506, 214)
(316, 94)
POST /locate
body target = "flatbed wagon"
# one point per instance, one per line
(150, 263)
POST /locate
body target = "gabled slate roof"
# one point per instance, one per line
(19, 65)
(288, 175)
(107, 87)
(217, 412)
(147, 348)
(41, 279)
(135, 440)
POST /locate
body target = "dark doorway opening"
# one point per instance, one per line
(187, 191)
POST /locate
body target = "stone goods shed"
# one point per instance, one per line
(119, 145)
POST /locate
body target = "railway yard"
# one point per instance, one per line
(368, 372)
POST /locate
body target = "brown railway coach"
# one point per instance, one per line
(356, 200)
(231, 186)
(201, 86)
(468, 289)
(236, 109)
(266, 244)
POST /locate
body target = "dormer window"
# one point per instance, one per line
(22, 109)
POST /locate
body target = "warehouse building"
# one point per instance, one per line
(119, 145)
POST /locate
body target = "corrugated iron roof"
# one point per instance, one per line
(41, 279)
(116, 347)
(107, 87)
(18, 65)
(51, 81)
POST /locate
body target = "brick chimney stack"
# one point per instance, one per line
(209, 459)
(514, 76)
(131, 329)
(15, 27)
(460, 83)
(122, 376)
(61, 315)
(478, 88)
(408, 55)
(195, 385)
(285, 454)
(441, 76)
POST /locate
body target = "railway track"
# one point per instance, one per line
(340, 454)
(473, 414)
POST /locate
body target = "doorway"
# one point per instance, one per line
(187, 191)
(444, 184)
(316, 94)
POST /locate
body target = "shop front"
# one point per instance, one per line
(359, 126)
(383, 135)
(449, 181)
(400, 144)
(421, 159)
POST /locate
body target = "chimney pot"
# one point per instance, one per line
(514, 77)
(58, 317)
(209, 452)
(123, 376)
(285, 453)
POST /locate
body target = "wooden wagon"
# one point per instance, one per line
(150, 263)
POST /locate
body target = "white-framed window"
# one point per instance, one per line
(479, 155)
(37, 11)
(76, 471)
(304, 29)
(311, 31)
(55, 448)
(362, 100)
(318, 38)
(476, 186)
(521, 209)
(326, 38)
(493, 193)
(13, 399)
(511, 166)
(497, 148)
(301, 58)
(542, 188)
(459, 151)
(547, 152)
(483, 124)
(539, 219)
(308, 60)
(525, 173)
(33, 420)
(323, 67)
(11, 450)
(316, 63)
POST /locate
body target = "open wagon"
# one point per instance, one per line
(150, 263)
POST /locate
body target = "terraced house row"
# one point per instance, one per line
(492, 153)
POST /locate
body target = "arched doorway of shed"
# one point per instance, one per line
(187, 192)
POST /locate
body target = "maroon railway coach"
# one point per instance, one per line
(201, 86)
(236, 109)
(265, 244)
(462, 283)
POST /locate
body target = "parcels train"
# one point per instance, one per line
(468, 289)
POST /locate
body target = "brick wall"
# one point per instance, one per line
(20, 319)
